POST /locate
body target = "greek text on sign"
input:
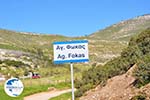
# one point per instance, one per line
(71, 51)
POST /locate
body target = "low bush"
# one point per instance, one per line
(138, 97)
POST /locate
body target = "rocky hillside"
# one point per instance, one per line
(124, 30)
(119, 88)
(25, 50)
(117, 75)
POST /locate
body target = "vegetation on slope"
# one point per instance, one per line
(138, 52)
(27, 42)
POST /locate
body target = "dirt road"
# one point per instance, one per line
(46, 95)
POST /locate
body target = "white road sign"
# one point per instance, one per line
(71, 51)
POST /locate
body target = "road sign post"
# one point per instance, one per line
(72, 80)
(71, 52)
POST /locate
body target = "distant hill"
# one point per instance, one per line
(35, 43)
(37, 49)
(25, 50)
(103, 45)
(123, 30)
(27, 41)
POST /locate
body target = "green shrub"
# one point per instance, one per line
(83, 89)
(143, 72)
(14, 63)
(139, 97)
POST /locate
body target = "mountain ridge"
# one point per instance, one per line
(124, 29)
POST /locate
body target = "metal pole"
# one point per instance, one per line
(72, 82)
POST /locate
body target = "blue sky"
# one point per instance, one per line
(68, 17)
